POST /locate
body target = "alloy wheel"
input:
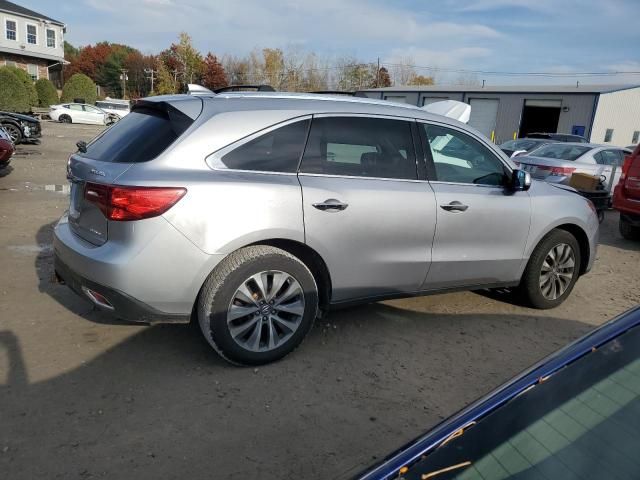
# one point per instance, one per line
(13, 131)
(265, 311)
(557, 271)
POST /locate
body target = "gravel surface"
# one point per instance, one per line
(85, 396)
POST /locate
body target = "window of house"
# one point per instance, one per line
(32, 70)
(51, 38)
(636, 136)
(32, 34)
(360, 147)
(276, 151)
(459, 158)
(608, 135)
(11, 30)
(10, 63)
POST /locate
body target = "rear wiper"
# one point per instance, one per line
(82, 146)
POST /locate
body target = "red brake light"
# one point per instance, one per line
(132, 203)
(626, 166)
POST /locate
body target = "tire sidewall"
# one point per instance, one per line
(11, 126)
(532, 273)
(212, 312)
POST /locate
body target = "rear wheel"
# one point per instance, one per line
(14, 132)
(258, 305)
(627, 230)
(552, 271)
(64, 118)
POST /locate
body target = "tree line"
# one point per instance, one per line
(122, 70)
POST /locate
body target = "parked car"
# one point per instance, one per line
(257, 211)
(559, 137)
(114, 107)
(78, 113)
(556, 162)
(572, 415)
(520, 146)
(21, 128)
(7, 148)
(626, 196)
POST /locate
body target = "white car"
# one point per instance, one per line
(115, 107)
(78, 113)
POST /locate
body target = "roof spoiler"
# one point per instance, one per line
(450, 108)
(195, 89)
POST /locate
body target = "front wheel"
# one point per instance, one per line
(64, 119)
(258, 305)
(552, 271)
(13, 131)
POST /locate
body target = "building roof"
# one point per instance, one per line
(584, 88)
(11, 7)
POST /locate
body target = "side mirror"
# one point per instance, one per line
(520, 181)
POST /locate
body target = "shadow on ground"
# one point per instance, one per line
(162, 405)
(610, 234)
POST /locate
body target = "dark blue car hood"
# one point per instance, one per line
(19, 116)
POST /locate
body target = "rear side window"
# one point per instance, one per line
(139, 137)
(276, 151)
(360, 147)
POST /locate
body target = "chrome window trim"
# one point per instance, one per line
(214, 159)
(355, 177)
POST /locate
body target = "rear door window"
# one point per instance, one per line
(139, 137)
(360, 147)
(276, 151)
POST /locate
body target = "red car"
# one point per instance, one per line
(6, 148)
(626, 196)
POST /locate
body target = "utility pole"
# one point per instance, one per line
(151, 72)
(124, 79)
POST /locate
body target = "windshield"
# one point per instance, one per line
(523, 144)
(581, 423)
(562, 151)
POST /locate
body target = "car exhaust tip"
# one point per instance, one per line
(97, 298)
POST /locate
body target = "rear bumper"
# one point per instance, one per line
(121, 304)
(147, 271)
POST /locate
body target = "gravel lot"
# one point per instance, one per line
(86, 396)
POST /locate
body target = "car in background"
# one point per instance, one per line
(574, 415)
(556, 162)
(626, 196)
(21, 128)
(78, 113)
(520, 146)
(7, 148)
(311, 172)
(559, 137)
(115, 107)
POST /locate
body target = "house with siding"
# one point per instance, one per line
(32, 41)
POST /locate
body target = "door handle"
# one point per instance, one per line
(454, 206)
(331, 205)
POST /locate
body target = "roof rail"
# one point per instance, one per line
(334, 92)
(195, 89)
(244, 88)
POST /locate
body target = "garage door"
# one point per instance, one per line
(484, 112)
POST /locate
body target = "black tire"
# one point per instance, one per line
(221, 286)
(628, 231)
(530, 290)
(64, 119)
(14, 132)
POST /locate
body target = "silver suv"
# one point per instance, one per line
(254, 212)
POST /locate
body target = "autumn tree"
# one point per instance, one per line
(183, 60)
(213, 74)
(165, 83)
(383, 79)
(420, 80)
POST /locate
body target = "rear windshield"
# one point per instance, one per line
(520, 145)
(139, 137)
(562, 152)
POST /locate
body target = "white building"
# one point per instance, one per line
(32, 41)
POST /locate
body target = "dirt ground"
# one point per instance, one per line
(85, 396)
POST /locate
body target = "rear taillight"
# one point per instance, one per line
(132, 203)
(557, 171)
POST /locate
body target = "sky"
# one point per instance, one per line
(560, 36)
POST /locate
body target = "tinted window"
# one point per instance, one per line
(520, 145)
(360, 147)
(140, 136)
(609, 157)
(582, 423)
(75, 106)
(560, 151)
(275, 151)
(459, 158)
